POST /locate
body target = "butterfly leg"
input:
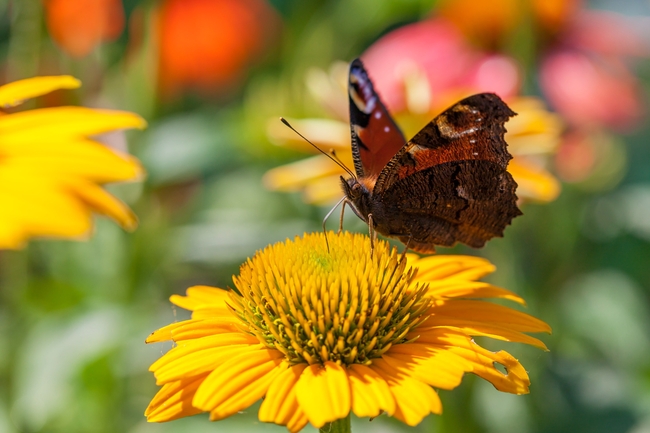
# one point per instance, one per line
(345, 201)
(406, 248)
(372, 233)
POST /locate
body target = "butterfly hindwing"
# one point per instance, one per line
(467, 201)
(375, 136)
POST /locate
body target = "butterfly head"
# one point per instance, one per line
(359, 195)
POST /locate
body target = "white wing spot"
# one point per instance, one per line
(386, 129)
(378, 115)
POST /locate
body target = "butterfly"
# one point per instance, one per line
(447, 184)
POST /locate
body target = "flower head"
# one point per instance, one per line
(208, 44)
(78, 26)
(320, 334)
(51, 172)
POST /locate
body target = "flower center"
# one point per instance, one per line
(345, 305)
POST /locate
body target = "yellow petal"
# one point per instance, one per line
(470, 289)
(238, 382)
(55, 123)
(479, 311)
(198, 362)
(516, 379)
(78, 157)
(414, 400)
(27, 196)
(220, 340)
(297, 175)
(104, 203)
(201, 295)
(438, 367)
(14, 93)
(280, 406)
(456, 267)
(174, 400)
(193, 329)
(477, 329)
(370, 393)
(324, 133)
(324, 393)
(533, 182)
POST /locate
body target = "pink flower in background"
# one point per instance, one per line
(437, 52)
(584, 74)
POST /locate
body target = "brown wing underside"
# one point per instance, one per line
(472, 129)
(462, 201)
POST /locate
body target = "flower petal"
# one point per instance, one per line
(370, 393)
(478, 311)
(468, 268)
(190, 346)
(15, 93)
(104, 203)
(280, 406)
(197, 296)
(470, 289)
(55, 123)
(414, 400)
(324, 393)
(534, 182)
(432, 365)
(174, 400)
(238, 382)
(193, 329)
(72, 157)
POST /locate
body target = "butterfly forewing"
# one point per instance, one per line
(375, 136)
(471, 129)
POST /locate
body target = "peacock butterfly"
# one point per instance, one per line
(448, 184)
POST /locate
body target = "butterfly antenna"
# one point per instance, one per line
(327, 217)
(336, 160)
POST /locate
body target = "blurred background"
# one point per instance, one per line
(225, 178)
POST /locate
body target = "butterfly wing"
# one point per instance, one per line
(375, 136)
(468, 201)
(449, 183)
(471, 129)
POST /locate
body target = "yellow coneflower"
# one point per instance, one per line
(51, 172)
(320, 334)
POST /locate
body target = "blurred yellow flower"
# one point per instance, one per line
(51, 172)
(532, 135)
(320, 334)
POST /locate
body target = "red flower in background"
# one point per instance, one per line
(207, 44)
(78, 26)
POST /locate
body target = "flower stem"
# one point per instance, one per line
(339, 426)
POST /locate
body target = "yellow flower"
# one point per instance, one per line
(532, 135)
(51, 172)
(320, 334)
